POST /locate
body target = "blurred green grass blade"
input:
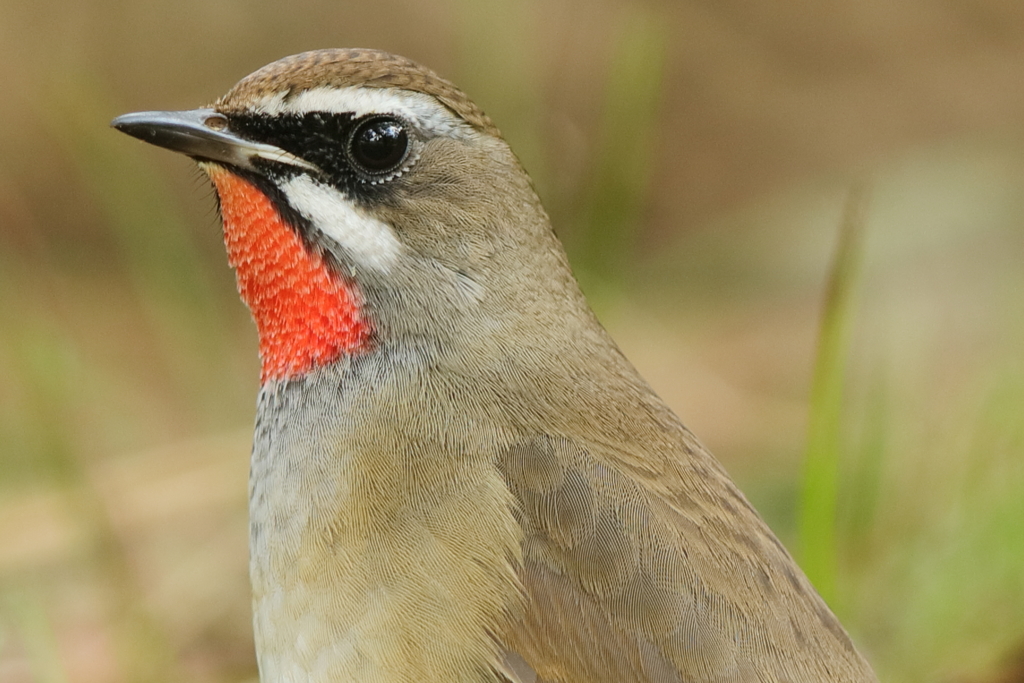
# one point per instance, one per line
(820, 486)
(605, 243)
(858, 513)
(962, 597)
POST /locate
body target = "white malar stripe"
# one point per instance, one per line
(370, 242)
(423, 110)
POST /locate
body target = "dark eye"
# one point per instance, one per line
(378, 145)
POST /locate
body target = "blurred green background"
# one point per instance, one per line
(803, 222)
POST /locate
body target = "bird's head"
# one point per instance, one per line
(366, 201)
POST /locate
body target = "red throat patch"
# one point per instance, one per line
(305, 314)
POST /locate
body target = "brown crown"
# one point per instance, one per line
(344, 67)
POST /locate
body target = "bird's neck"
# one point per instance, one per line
(306, 315)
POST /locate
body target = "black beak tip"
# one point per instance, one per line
(134, 126)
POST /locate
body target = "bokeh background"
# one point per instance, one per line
(702, 161)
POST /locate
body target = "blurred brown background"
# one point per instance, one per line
(695, 158)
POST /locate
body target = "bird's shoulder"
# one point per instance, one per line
(649, 566)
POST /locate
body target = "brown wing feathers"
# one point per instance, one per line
(626, 586)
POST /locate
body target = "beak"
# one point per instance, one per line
(204, 135)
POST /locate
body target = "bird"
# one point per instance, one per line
(456, 475)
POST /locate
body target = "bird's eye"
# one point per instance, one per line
(378, 146)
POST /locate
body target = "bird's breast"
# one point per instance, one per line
(376, 554)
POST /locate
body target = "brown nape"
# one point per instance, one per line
(344, 67)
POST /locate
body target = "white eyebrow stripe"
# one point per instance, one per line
(423, 110)
(370, 242)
